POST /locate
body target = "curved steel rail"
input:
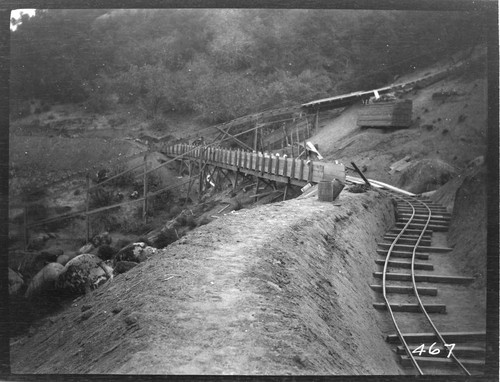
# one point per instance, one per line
(391, 313)
(414, 284)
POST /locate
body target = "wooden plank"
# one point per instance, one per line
(420, 249)
(441, 362)
(403, 289)
(404, 255)
(411, 231)
(406, 240)
(423, 220)
(426, 278)
(412, 308)
(405, 264)
(334, 171)
(433, 227)
(445, 217)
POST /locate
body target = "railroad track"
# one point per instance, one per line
(407, 250)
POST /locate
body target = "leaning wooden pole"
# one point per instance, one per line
(316, 123)
(361, 174)
(145, 190)
(87, 217)
(200, 164)
(25, 230)
(255, 138)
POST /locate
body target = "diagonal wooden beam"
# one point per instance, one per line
(233, 138)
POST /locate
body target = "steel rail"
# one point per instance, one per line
(391, 313)
(417, 295)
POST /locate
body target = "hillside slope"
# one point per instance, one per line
(287, 293)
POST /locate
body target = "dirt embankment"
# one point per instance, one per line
(466, 197)
(279, 289)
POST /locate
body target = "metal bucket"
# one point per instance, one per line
(329, 190)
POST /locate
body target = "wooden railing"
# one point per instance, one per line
(242, 161)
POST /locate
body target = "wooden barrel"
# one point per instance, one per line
(329, 190)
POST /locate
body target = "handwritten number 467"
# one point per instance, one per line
(433, 351)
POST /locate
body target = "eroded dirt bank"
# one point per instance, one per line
(280, 289)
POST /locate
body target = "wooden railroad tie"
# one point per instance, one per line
(420, 249)
(412, 308)
(450, 337)
(404, 255)
(425, 278)
(406, 264)
(423, 220)
(415, 226)
(402, 289)
(440, 362)
(443, 217)
(426, 241)
(410, 231)
(424, 211)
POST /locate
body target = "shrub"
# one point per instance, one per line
(166, 238)
(100, 197)
(124, 180)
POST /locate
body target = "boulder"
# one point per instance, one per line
(101, 239)
(86, 249)
(29, 263)
(52, 253)
(124, 266)
(44, 281)
(106, 252)
(83, 274)
(63, 259)
(16, 282)
(135, 252)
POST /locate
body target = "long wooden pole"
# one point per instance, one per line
(25, 230)
(145, 190)
(87, 217)
(255, 138)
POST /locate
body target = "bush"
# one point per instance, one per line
(166, 238)
(100, 197)
(124, 180)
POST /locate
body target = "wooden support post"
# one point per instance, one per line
(145, 191)
(255, 138)
(190, 181)
(277, 167)
(301, 169)
(307, 127)
(292, 171)
(235, 184)
(201, 178)
(25, 228)
(257, 188)
(310, 175)
(286, 192)
(316, 124)
(87, 217)
(245, 160)
(261, 141)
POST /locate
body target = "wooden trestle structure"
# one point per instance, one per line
(290, 171)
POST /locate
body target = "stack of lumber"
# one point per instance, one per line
(386, 114)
